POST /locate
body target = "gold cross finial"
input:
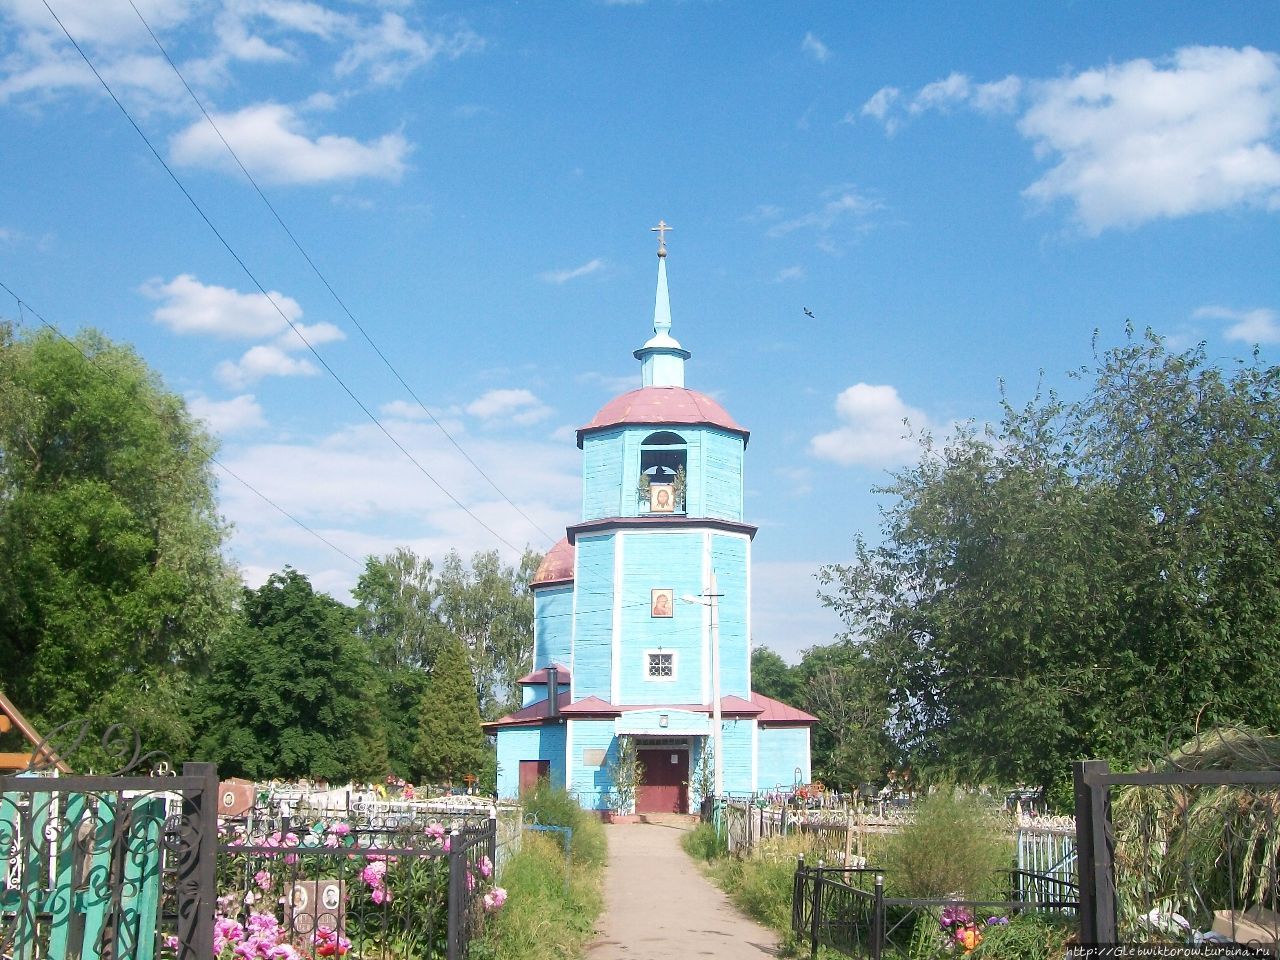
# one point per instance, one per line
(661, 230)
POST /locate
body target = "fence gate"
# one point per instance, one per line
(1188, 853)
(118, 867)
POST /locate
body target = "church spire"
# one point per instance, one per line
(662, 358)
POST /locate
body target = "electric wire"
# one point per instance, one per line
(324, 280)
(254, 280)
(204, 451)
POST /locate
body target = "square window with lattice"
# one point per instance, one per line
(661, 666)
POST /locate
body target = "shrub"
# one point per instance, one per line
(761, 884)
(956, 847)
(703, 843)
(554, 807)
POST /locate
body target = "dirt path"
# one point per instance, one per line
(658, 906)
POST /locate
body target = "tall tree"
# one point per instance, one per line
(774, 677)
(841, 686)
(112, 581)
(450, 742)
(287, 691)
(490, 608)
(1084, 579)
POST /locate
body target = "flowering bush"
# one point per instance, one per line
(960, 929)
(392, 904)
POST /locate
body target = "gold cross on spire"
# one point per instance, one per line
(661, 230)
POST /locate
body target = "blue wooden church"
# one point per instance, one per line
(642, 613)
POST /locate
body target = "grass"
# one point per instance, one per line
(546, 918)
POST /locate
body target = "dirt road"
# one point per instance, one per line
(658, 906)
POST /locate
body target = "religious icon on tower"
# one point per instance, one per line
(662, 498)
(660, 602)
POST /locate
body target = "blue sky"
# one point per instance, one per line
(958, 193)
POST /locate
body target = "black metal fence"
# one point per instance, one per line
(1183, 854)
(847, 909)
(379, 895)
(108, 866)
(137, 865)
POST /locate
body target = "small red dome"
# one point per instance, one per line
(556, 566)
(659, 406)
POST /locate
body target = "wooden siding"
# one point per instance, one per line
(529, 743)
(602, 474)
(593, 618)
(738, 737)
(591, 784)
(648, 723)
(657, 560)
(722, 473)
(782, 750)
(552, 625)
(730, 556)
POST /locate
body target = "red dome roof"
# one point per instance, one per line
(556, 566)
(658, 406)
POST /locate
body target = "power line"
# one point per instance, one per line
(316, 270)
(270, 299)
(204, 451)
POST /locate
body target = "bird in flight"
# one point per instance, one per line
(809, 313)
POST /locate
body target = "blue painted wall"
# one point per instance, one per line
(552, 625)
(738, 752)
(722, 473)
(729, 556)
(544, 742)
(590, 784)
(661, 560)
(593, 629)
(537, 692)
(782, 749)
(602, 473)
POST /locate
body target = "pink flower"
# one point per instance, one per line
(471, 881)
(263, 879)
(374, 873)
(380, 895)
(332, 840)
(435, 831)
(494, 899)
(340, 828)
(486, 867)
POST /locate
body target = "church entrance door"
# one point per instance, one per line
(665, 787)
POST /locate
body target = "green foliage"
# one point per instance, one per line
(845, 689)
(704, 843)
(774, 677)
(625, 771)
(550, 910)
(112, 582)
(285, 695)
(551, 806)
(408, 611)
(956, 846)
(1031, 577)
(761, 885)
(1028, 936)
(450, 742)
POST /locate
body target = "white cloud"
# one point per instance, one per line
(274, 144)
(513, 406)
(227, 416)
(872, 432)
(942, 94)
(573, 273)
(1140, 141)
(262, 361)
(789, 273)
(392, 50)
(402, 410)
(844, 204)
(358, 491)
(815, 48)
(879, 106)
(189, 306)
(315, 334)
(1261, 325)
(999, 96)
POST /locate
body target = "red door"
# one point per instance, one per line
(664, 788)
(532, 772)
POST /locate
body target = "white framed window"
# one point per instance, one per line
(660, 665)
